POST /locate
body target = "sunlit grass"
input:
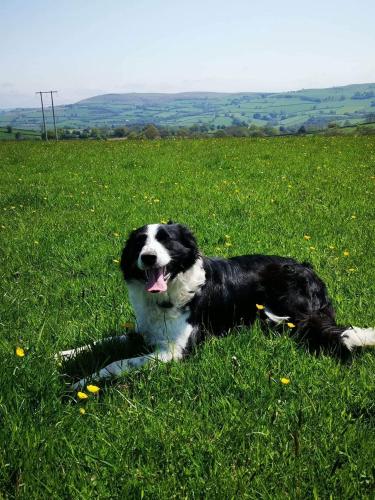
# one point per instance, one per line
(225, 423)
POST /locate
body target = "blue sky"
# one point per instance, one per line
(83, 48)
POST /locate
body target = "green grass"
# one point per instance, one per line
(211, 426)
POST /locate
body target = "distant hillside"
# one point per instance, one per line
(289, 110)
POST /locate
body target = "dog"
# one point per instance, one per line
(180, 297)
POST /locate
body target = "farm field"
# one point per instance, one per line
(220, 424)
(22, 133)
(350, 104)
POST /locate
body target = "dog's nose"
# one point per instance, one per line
(148, 259)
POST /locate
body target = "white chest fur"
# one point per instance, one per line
(167, 328)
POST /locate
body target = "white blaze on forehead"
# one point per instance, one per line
(153, 246)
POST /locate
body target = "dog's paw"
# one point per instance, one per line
(61, 355)
(78, 386)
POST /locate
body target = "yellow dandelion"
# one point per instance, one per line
(353, 216)
(94, 389)
(82, 395)
(285, 380)
(307, 237)
(228, 244)
(82, 411)
(163, 221)
(312, 248)
(259, 307)
(351, 270)
(20, 352)
(116, 235)
(346, 253)
(331, 247)
(156, 200)
(291, 325)
(227, 236)
(116, 261)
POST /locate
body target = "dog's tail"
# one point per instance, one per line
(320, 331)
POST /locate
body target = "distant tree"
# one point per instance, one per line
(18, 136)
(220, 133)
(301, 130)
(95, 133)
(9, 129)
(120, 132)
(182, 132)
(151, 132)
(133, 135)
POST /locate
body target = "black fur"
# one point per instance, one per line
(234, 286)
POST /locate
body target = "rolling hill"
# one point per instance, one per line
(315, 107)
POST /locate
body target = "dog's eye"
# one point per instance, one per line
(163, 235)
(140, 240)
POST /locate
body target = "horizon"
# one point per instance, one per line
(164, 47)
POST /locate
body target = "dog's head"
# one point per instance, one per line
(156, 253)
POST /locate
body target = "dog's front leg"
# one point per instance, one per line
(125, 365)
(72, 353)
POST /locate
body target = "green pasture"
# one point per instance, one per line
(221, 424)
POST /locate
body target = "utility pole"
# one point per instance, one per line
(44, 120)
(51, 92)
(53, 112)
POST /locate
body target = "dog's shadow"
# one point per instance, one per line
(112, 348)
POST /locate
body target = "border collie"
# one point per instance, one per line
(180, 297)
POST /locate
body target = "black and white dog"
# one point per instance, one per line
(179, 297)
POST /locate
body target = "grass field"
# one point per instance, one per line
(213, 426)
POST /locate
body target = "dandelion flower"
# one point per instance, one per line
(116, 235)
(93, 389)
(285, 381)
(291, 325)
(228, 244)
(116, 261)
(259, 307)
(312, 248)
(307, 237)
(331, 247)
(163, 221)
(82, 395)
(82, 411)
(346, 253)
(20, 352)
(353, 216)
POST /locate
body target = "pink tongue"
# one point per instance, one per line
(156, 281)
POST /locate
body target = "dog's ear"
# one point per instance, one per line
(187, 237)
(171, 222)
